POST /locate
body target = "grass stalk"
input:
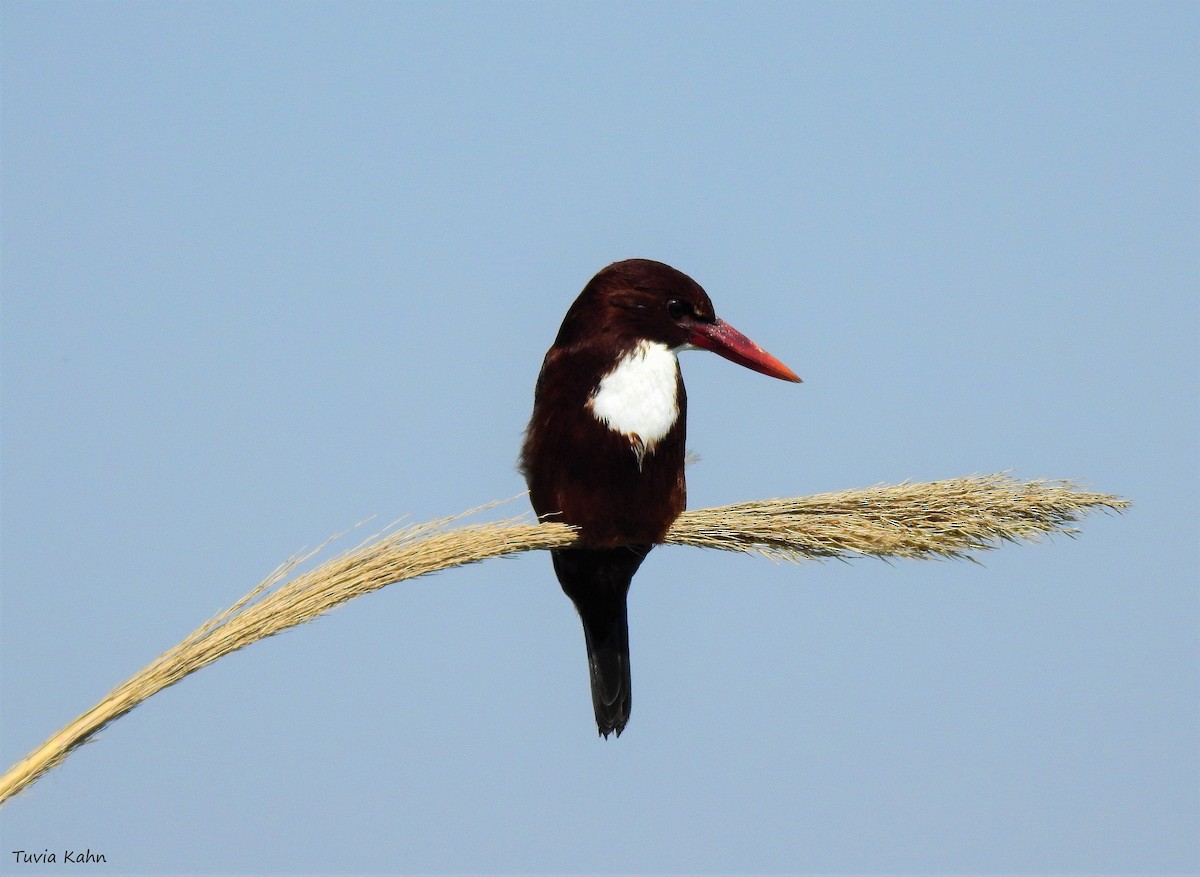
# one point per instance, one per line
(955, 518)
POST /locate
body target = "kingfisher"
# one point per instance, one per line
(604, 450)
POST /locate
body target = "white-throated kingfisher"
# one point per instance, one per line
(604, 450)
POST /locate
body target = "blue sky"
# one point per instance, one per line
(270, 269)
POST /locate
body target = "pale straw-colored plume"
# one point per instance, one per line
(951, 518)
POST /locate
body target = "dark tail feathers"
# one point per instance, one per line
(612, 684)
(597, 581)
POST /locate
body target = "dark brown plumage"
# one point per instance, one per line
(605, 447)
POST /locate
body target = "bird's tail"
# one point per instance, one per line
(597, 581)
(612, 682)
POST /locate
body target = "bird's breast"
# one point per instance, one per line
(639, 397)
(605, 446)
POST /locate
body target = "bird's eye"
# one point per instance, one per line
(678, 309)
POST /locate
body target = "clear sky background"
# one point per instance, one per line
(272, 268)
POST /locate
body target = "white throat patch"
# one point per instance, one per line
(638, 397)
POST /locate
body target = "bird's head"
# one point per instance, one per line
(642, 300)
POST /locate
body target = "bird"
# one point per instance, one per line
(605, 446)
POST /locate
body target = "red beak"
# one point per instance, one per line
(724, 340)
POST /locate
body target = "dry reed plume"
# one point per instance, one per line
(951, 518)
